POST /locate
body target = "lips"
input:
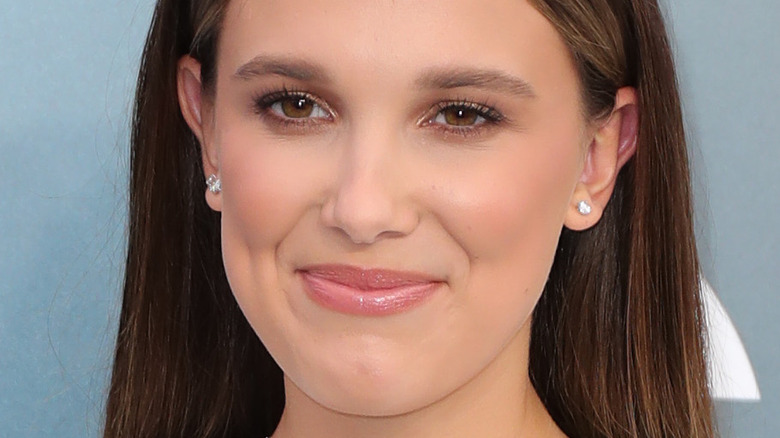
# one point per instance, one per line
(369, 292)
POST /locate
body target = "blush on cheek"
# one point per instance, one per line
(267, 187)
(512, 210)
(256, 212)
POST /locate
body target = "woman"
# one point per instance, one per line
(448, 218)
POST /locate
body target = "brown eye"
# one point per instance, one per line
(460, 116)
(297, 107)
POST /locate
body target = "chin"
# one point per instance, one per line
(370, 387)
(372, 401)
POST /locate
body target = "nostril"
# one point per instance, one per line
(365, 216)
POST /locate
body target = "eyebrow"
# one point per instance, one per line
(293, 68)
(456, 77)
(437, 78)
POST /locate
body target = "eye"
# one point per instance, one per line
(463, 117)
(294, 106)
(459, 116)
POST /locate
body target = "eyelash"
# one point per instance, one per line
(490, 117)
(264, 102)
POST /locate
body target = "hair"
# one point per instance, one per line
(632, 364)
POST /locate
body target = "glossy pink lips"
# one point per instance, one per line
(357, 291)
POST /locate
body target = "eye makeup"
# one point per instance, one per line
(292, 108)
(461, 117)
(299, 110)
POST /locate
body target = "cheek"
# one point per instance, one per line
(513, 204)
(267, 189)
(263, 191)
(507, 216)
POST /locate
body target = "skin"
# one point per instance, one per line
(375, 176)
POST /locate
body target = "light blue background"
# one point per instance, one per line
(67, 71)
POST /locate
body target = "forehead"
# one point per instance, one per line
(394, 40)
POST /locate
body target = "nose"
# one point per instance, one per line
(371, 195)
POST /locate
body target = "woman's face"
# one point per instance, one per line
(440, 139)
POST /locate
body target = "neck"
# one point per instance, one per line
(498, 402)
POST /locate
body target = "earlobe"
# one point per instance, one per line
(612, 145)
(194, 109)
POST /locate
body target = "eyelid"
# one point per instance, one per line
(484, 110)
(263, 101)
(491, 119)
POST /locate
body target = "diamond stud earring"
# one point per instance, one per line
(214, 184)
(584, 208)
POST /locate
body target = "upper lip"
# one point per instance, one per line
(368, 278)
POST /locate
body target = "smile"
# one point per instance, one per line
(367, 292)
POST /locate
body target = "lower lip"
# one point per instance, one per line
(375, 302)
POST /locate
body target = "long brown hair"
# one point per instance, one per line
(617, 344)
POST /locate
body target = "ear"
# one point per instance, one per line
(613, 143)
(197, 112)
